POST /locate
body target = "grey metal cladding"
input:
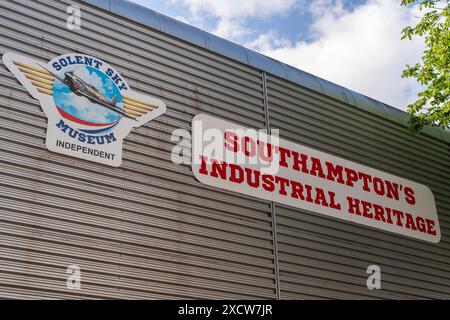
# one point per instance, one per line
(140, 14)
(147, 229)
(234, 51)
(191, 34)
(323, 258)
(226, 48)
(308, 80)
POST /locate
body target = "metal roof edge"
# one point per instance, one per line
(198, 37)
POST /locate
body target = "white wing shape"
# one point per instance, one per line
(142, 108)
(30, 74)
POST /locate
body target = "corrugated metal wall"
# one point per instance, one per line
(320, 257)
(148, 229)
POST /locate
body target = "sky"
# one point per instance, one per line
(79, 106)
(354, 43)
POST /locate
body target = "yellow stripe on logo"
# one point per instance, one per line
(37, 74)
(39, 80)
(20, 64)
(137, 110)
(134, 113)
(139, 104)
(50, 93)
(43, 86)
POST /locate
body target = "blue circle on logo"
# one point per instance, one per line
(87, 97)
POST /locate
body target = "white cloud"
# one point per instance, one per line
(238, 8)
(268, 42)
(90, 78)
(359, 49)
(232, 13)
(231, 29)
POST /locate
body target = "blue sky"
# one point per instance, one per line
(292, 23)
(354, 43)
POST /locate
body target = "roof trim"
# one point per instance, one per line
(259, 61)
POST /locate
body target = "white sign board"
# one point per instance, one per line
(90, 107)
(227, 156)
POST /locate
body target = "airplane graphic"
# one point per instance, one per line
(79, 87)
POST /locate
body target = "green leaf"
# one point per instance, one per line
(432, 106)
